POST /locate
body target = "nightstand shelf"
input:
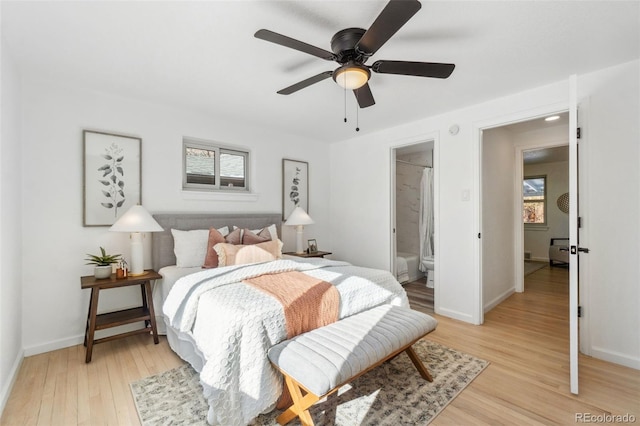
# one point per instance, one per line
(307, 255)
(106, 320)
(126, 316)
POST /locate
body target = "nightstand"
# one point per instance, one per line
(126, 316)
(312, 254)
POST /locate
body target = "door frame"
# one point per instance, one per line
(542, 111)
(433, 137)
(518, 224)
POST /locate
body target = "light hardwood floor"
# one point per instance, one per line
(525, 339)
(420, 295)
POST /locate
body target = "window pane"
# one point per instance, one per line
(533, 212)
(534, 203)
(201, 166)
(533, 187)
(232, 170)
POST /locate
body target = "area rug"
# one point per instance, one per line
(531, 267)
(391, 394)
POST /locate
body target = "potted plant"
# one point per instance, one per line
(103, 263)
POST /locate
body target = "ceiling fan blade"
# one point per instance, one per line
(395, 14)
(294, 44)
(305, 83)
(364, 96)
(420, 69)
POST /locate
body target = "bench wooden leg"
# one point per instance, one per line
(301, 404)
(419, 365)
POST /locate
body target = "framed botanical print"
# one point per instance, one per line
(112, 176)
(295, 186)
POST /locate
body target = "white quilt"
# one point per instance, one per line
(234, 325)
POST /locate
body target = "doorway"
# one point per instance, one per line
(524, 171)
(413, 213)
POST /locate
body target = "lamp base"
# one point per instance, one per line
(137, 255)
(299, 231)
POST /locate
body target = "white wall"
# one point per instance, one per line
(360, 200)
(610, 149)
(536, 240)
(456, 179)
(55, 242)
(498, 180)
(10, 221)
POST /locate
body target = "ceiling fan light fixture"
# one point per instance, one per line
(351, 76)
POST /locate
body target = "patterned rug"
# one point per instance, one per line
(391, 394)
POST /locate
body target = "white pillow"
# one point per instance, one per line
(273, 230)
(190, 247)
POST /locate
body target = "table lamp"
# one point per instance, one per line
(299, 218)
(136, 221)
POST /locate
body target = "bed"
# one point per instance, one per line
(224, 327)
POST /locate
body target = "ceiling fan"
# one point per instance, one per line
(352, 47)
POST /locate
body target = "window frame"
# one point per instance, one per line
(217, 149)
(544, 201)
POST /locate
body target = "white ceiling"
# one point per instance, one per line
(202, 55)
(539, 124)
(546, 155)
(553, 130)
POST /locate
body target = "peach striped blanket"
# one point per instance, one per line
(308, 302)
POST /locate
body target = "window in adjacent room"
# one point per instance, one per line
(534, 191)
(208, 166)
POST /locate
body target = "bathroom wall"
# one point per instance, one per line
(408, 199)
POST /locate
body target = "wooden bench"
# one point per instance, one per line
(317, 363)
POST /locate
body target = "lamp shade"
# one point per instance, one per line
(298, 217)
(136, 219)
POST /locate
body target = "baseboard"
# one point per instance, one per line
(615, 357)
(498, 300)
(76, 340)
(13, 375)
(54, 345)
(454, 314)
(540, 259)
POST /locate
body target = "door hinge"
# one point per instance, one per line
(479, 235)
(579, 311)
(579, 222)
(578, 132)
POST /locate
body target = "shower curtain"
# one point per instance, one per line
(426, 216)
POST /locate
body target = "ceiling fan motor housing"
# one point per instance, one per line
(343, 44)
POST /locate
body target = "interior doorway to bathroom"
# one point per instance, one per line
(414, 225)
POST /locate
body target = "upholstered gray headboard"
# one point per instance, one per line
(162, 242)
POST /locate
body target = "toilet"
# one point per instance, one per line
(428, 268)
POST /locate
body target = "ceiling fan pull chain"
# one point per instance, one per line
(357, 113)
(345, 104)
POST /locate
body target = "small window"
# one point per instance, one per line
(208, 166)
(534, 191)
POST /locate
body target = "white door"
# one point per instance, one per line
(573, 233)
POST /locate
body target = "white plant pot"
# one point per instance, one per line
(102, 271)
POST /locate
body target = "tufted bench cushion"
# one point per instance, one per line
(322, 360)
